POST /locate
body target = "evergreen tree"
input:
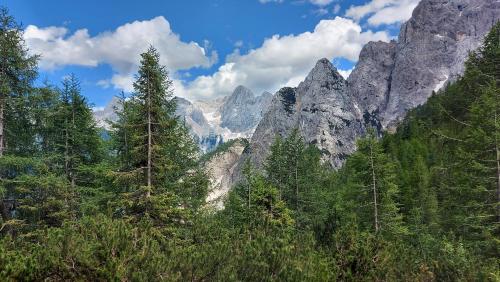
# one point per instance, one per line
(17, 72)
(296, 170)
(78, 143)
(158, 157)
(372, 191)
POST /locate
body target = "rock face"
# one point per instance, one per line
(220, 168)
(102, 116)
(431, 50)
(388, 80)
(321, 109)
(242, 111)
(370, 81)
(210, 122)
(192, 116)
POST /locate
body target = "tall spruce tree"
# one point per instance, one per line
(158, 161)
(296, 170)
(78, 143)
(17, 72)
(371, 190)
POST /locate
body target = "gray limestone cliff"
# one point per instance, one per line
(388, 80)
(242, 110)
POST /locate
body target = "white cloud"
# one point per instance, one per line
(321, 2)
(282, 60)
(119, 48)
(104, 83)
(336, 9)
(320, 12)
(345, 73)
(383, 11)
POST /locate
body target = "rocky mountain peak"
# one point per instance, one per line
(242, 111)
(389, 79)
(240, 95)
(324, 71)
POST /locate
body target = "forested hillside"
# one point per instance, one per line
(420, 204)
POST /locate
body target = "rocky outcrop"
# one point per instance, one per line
(321, 109)
(210, 122)
(192, 116)
(219, 168)
(242, 111)
(370, 81)
(432, 48)
(104, 115)
(388, 80)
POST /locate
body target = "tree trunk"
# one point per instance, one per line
(296, 187)
(2, 141)
(374, 187)
(125, 124)
(150, 140)
(66, 149)
(497, 149)
(73, 130)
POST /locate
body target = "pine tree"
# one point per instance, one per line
(78, 143)
(372, 191)
(158, 159)
(296, 170)
(17, 72)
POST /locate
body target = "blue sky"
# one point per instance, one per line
(210, 46)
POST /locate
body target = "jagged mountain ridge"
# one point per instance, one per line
(210, 122)
(242, 111)
(388, 80)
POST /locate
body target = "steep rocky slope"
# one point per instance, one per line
(211, 122)
(242, 111)
(220, 167)
(322, 110)
(433, 44)
(388, 80)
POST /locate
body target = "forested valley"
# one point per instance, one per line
(128, 204)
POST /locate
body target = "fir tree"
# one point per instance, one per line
(372, 189)
(159, 157)
(17, 72)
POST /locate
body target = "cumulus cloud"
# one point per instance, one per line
(283, 60)
(120, 48)
(320, 3)
(345, 73)
(383, 11)
(279, 61)
(336, 9)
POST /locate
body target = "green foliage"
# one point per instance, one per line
(297, 171)
(222, 148)
(418, 205)
(157, 176)
(371, 190)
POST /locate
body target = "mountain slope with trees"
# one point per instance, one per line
(420, 204)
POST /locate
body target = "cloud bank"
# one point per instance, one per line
(380, 12)
(285, 60)
(120, 48)
(280, 61)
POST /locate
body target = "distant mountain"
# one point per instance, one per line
(211, 122)
(107, 113)
(242, 111)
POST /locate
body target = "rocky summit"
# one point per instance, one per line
(212, 122)
(242, 111)
(389, 79)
